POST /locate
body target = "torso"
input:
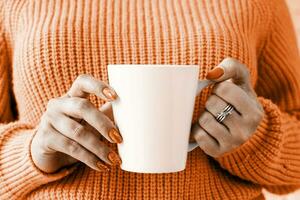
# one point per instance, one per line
(52, 42)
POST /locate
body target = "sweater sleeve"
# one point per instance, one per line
(271, 156)
(18, 174)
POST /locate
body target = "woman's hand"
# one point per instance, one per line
(232, 87)
(70, 129)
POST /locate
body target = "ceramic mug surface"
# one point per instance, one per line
(154, 113)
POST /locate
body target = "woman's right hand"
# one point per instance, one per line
(70, 129)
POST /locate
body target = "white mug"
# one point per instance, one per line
(154, 113)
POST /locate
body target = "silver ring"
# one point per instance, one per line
(226, 111)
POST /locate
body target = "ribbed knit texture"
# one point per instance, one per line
(45, 45)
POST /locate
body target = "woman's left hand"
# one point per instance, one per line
(232, 87)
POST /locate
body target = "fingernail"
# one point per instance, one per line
(109, 94)
(114, 158)
(115, 135)
(102, 167)
(215, 73)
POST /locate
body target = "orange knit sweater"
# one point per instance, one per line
(45, 45)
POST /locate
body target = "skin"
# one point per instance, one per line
(233, 87)
(61, 139)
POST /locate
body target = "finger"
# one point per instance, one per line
(234, 95)
(215, 129)
(63, 144)
(232, 69)
(79, 133)
(215, 105)
(86, 84)
(207, 143)
(107, 110)
(83, 109)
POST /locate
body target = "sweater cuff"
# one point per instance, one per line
(19, 175)
(265, 141)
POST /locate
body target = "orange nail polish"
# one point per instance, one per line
(102, 167)
(114, 158)
(115, 136)
(109, 94)
(215, 73)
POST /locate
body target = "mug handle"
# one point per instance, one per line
(201, 85)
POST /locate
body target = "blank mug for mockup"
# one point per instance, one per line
(154, 113)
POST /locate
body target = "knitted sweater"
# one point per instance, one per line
(45, 45)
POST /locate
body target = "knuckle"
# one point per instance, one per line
(44, 128)
(82, 104)
(211, 101)
(204, 119)
(237, 65)
(223, 88)
(73, 147)
(232, 61)
(82, 77)
(44, 124)
(48, 139)
(78, 131)
(40, 142)
(45, 137)
(244, 70)
(41, 133)
(256, 117)
(98, 86)
(253, 123)
(228, 59)
(44, 118)
(51, 103)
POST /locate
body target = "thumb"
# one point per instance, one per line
(234, 71)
